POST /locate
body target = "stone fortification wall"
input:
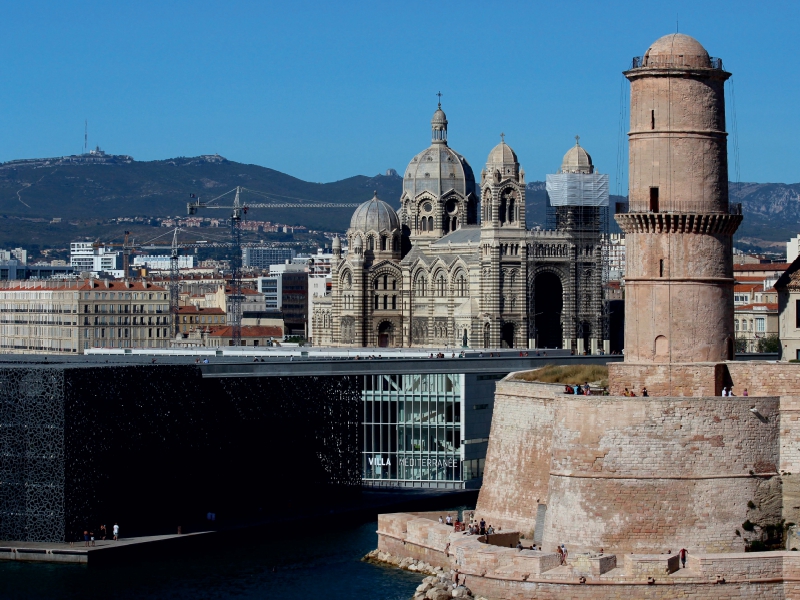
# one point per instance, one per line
(517, 473)
(650, 474)
(506, 573)
(633, 474)
(671, 379)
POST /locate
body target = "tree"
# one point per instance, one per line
(741, 345)
(770, 343)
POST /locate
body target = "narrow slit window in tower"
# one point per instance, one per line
(661, 268)
(652, 119)
(653, 199)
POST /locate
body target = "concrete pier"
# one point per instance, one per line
(104, 551)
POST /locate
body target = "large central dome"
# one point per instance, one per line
(438, 169)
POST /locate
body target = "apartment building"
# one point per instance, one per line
(66, 317)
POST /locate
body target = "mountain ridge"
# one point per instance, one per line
(122, 187)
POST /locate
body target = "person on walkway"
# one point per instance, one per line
(449, 520)
(116, 532)
(586, 389)
(724, 391)
(644, 392)
(682, 555)
(745, 392)
(85, 538)
(441, 520)
(564, 552)
(560, 555)
(103, 532)
(91, 537)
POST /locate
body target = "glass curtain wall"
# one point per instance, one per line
(412, 430)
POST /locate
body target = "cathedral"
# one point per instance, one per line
(456, 266)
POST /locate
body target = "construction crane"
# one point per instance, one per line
(239, 211)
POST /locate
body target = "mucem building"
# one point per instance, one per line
(98, 439)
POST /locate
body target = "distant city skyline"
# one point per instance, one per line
(324, 92)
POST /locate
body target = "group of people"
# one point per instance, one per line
(89, 539)
(577, 390)
(631, 394)
(728, 391)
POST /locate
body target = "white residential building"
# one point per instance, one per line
(85, 256)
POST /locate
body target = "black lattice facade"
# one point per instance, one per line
(155, 446)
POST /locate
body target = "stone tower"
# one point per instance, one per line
(679, 228)
(504, 253)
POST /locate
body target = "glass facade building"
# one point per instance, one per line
(425, 430)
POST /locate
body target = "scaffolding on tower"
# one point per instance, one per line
(577, 205)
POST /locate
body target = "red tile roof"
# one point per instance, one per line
(768, 306)
(761, 267)
(248, 331)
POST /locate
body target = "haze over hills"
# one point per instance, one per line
(60, 188)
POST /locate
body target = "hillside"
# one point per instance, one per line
(161, 188)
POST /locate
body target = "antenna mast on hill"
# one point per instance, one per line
(86, 136)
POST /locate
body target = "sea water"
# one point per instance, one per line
(324, 564)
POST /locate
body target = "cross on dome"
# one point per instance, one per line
(503, 137)
(440, 99)
(577, 140)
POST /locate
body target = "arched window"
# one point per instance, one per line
(385, 281)
(370, 243)
(375, 283)
(424, 224)
(430, 223)
(394, 302)
(385, 302)
(376, 301)
(441, 285)
(511, 207)
(503, 207)
(419, 285)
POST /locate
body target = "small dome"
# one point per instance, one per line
(439, 118)
(357, 243)
(337, 243)
(577, 160)
(502, 154)
(675, 50)
(375, 215)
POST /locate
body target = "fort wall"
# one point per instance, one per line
(517, 474)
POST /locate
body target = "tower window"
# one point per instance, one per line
(661, 268)
(653, 199)
(652, 119)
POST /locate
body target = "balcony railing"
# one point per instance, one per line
(734, 208)
(679, 61)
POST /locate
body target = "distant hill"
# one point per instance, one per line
(61, 188)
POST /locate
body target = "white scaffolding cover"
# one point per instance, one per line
(577, 189)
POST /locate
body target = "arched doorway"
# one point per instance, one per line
(548, 301)
(385, 335)
(507, 335)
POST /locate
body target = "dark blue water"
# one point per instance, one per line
(319, 565)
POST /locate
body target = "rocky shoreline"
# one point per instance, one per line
(437, 586)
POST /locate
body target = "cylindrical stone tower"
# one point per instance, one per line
(679, 228)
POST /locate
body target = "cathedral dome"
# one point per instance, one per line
(502, 154)
(676, 50)
(375, 215)
(577, 160)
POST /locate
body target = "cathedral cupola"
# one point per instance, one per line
(439, 126)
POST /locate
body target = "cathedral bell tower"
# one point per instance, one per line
(503, 251)
(679, 228)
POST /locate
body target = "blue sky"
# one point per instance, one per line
(324, 91)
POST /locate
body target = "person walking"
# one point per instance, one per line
(116, 532)
(564, 552)
(682, 555)
(103, 532)
(560, 555)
